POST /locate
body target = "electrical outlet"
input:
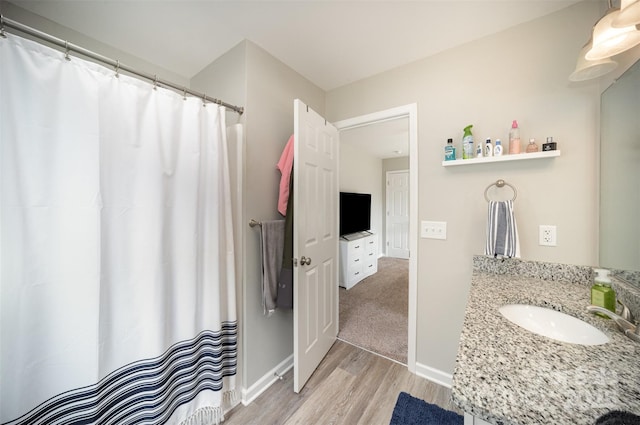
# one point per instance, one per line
(547, 235)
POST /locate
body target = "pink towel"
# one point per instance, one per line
(285, 165)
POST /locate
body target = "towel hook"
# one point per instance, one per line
(500, 183)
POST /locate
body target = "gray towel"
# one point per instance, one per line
(502, 232)
(272, 237)
(285, 283)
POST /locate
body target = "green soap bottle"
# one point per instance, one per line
(602, 294)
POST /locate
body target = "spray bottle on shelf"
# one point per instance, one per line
(514, 138)
(467, 143)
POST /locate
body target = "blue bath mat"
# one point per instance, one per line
(413, 411)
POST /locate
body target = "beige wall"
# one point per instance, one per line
(521, 73)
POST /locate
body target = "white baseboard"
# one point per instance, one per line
(251, 393)
(435, 375)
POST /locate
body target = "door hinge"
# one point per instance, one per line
(295, 262)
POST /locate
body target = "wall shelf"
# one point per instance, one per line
(502, 158)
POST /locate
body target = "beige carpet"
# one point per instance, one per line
(373, 314)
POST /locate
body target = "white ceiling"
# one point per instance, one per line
(383, 139)
(331, 42)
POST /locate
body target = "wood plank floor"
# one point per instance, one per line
(351, 386)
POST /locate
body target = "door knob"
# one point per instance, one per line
(304, 261)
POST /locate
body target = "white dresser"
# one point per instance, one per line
(358, 258)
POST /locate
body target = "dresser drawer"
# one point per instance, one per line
(356, 249)
(370, 266)
(371, 246)
(355, 274)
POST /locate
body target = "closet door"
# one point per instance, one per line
(315, 245)
(397, 223)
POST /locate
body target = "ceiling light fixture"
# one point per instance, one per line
(629, 14)
(587, 70)
(609, 41)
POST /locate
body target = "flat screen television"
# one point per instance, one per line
(355, 212)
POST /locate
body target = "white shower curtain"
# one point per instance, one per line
(116, 247)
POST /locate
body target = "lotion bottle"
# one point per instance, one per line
(514, 138)
(488, 148)
(497, 149)
(602, 294)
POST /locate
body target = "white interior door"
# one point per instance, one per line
(315, 241)
(397, 223)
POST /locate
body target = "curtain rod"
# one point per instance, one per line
(69, 47)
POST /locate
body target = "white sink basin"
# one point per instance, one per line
(553, 324)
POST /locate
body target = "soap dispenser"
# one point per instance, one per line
(602, 295)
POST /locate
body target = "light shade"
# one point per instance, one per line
(609, 41)
(587, 70)
(629, 14)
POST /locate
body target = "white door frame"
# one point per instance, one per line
(411, 112)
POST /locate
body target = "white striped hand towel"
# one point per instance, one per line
(502, 232)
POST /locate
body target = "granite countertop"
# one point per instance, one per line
(507, 375)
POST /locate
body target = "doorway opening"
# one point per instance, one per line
(398, 126)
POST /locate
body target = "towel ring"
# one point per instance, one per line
(501, 183)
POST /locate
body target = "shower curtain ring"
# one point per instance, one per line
(2, 34)
(155, 82)
(118, 69)
(204, 100)
(184, 94)
(66, 51)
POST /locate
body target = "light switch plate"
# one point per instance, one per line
(433, 229)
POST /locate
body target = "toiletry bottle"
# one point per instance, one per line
(532, 146)
(467, 143)
(488, 148)
(497, 149)
(550, 145)
(449, 151)
(479, 150)
(602, 294)
(514, 138)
